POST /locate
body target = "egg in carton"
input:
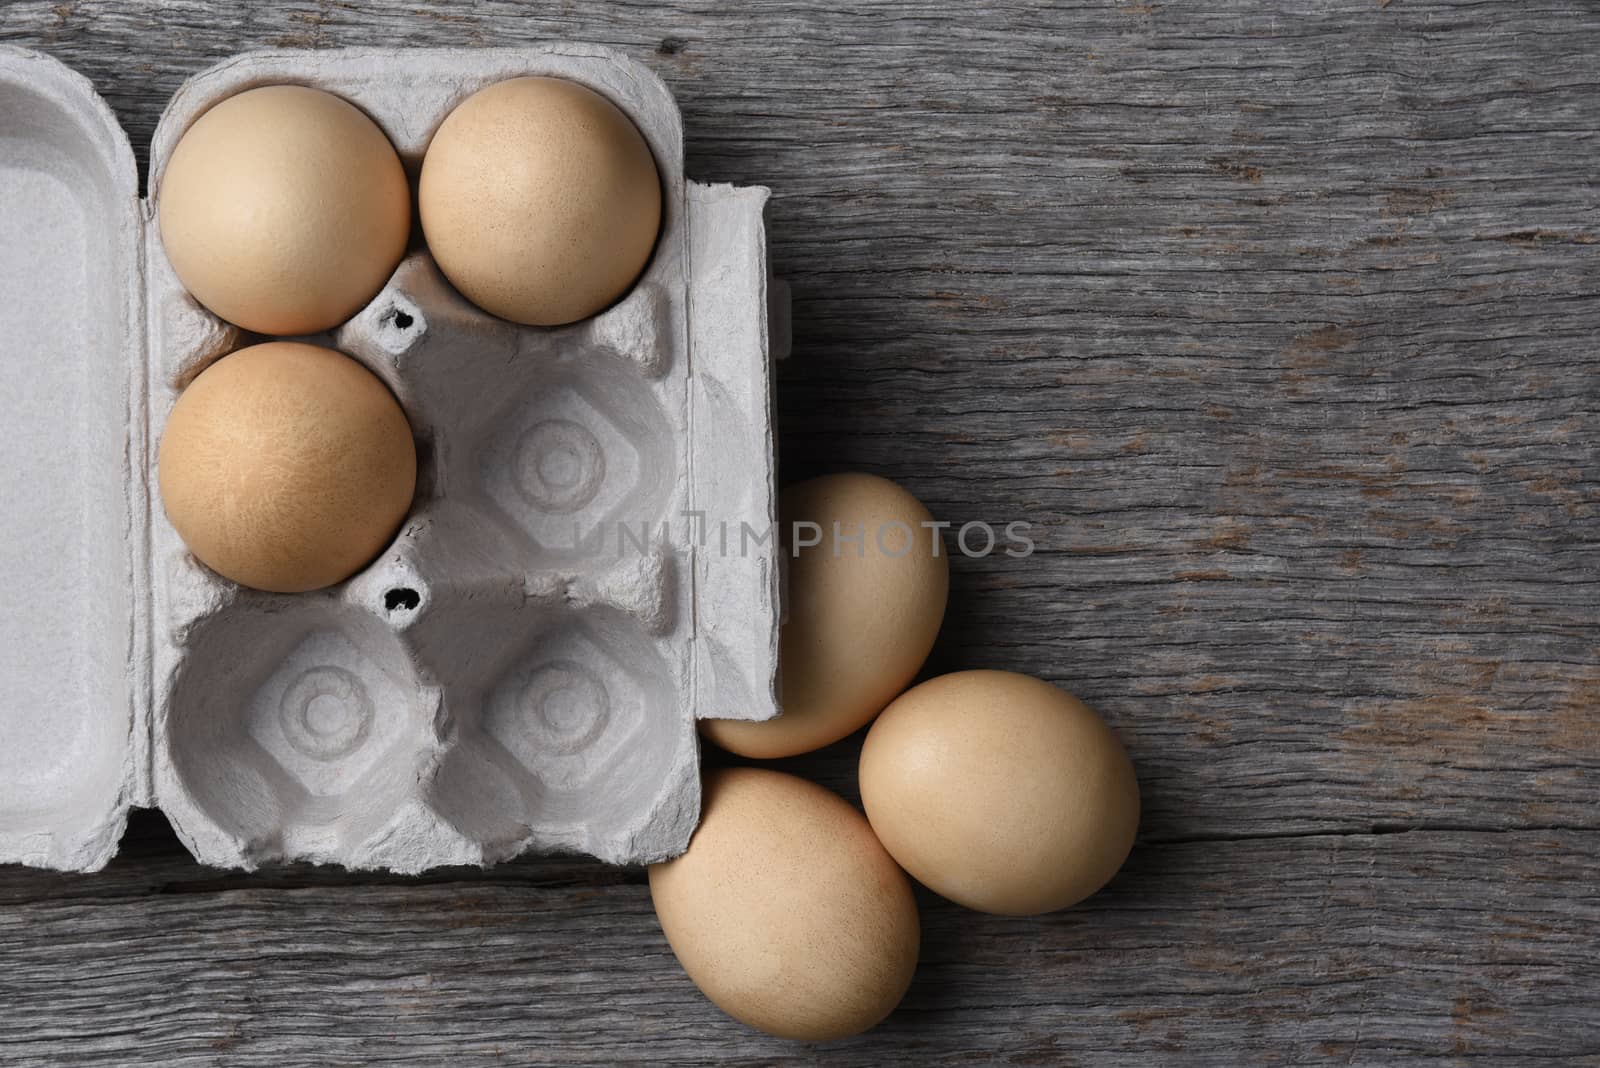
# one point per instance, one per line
(589, 565)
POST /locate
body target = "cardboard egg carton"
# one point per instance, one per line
(521, 669)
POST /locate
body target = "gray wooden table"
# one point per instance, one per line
(1278, 319)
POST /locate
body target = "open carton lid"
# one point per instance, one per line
(73, 524)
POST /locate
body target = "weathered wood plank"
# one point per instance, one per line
(1352, 949)
(1279, 321)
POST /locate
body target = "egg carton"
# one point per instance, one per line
(521, 669)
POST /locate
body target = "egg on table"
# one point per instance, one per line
(785, 911)
(540, 200)
(286, 467)
(1000, 791)
(284, 209)
(864, 604)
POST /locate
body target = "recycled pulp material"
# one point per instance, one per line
(521, 669)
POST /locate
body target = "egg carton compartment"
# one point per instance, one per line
(522, 667)
(565, 733)
(296, 728)
(559, 437)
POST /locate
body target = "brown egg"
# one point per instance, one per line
(286, 467)
(861, 618)
(284, 209)
(540, 200)
(999, 791)
(785, 911)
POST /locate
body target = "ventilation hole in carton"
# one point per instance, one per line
(397, 318)
(401, 598)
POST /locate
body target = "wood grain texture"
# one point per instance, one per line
(1342, 948)
(1278, 321)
